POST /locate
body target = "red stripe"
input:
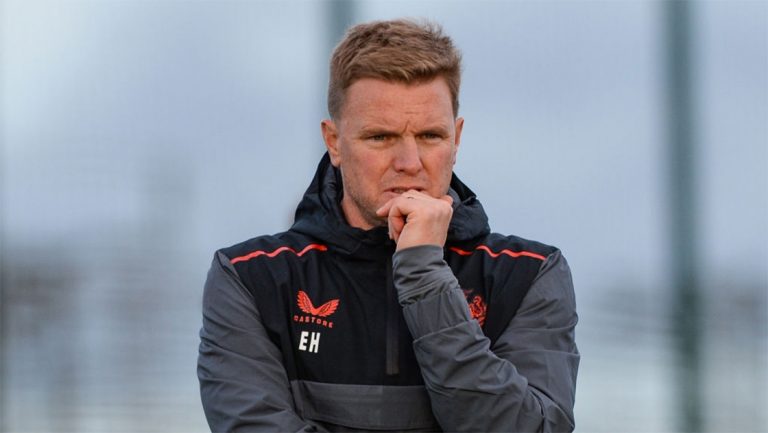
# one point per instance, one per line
(271, 254)
(495, 255)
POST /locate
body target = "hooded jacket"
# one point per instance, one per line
(325, 327)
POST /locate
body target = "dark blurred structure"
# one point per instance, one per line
(684, 225)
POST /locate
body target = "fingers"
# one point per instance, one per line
(424, 217)
(396, 221)
(410, 195)
(396, 217)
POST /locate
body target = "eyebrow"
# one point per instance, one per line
(375, 130)
(438, 130)
(379, 130)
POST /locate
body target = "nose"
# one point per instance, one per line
(407, 158)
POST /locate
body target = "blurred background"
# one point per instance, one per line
(140, 136)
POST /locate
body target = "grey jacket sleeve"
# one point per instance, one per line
(243, 384)
(526, 382)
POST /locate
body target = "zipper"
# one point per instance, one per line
(393, 324)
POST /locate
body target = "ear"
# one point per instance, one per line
(457, 141)
(331, 138)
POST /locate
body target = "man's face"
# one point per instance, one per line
(391, 137)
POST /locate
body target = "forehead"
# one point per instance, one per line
(371, 99)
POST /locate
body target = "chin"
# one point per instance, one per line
(374, 220)
(387, 196)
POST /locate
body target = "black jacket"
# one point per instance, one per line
(324, 327)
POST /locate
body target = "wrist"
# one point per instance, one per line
(420, 271)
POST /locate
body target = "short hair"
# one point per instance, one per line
(399, 50)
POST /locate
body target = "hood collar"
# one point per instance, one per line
(319, 215)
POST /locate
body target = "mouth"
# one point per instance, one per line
(401, 190)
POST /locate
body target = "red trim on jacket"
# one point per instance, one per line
(495, 255)
(271, 254)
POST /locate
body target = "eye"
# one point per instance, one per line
(431, 136)
(378, 137)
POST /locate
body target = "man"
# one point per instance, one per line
(389, 305)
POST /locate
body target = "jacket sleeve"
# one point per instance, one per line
(526, 382)
(243, 384)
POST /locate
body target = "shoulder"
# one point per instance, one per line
(267, 263)
(508, 248)
(519, 247)
(500, 269)
(547, 270)
(285, 244)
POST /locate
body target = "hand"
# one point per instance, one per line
(415, 218)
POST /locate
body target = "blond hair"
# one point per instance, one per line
(400, 50)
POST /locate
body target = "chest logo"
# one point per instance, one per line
(477, 307)
(316, 315)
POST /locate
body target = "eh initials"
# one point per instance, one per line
(309, 341)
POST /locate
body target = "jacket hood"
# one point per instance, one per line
(319, 215)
